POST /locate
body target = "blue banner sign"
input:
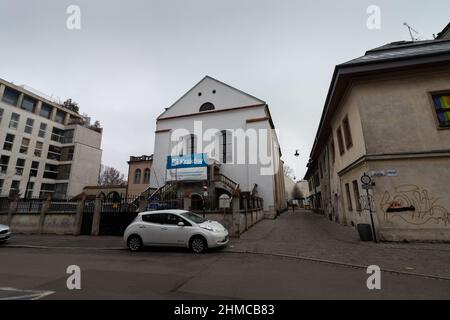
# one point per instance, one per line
(189, 161)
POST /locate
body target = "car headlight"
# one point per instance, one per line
(209, 229)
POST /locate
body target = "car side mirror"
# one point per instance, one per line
(181, 224)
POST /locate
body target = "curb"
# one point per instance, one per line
(342, 264)
(19, 246)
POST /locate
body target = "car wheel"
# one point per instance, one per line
(134, 243)
(198, 245)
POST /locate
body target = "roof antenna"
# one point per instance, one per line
(412, 31)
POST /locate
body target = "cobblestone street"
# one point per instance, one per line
(306, 234)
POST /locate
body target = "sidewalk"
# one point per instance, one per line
(305, 234)
(67, 241)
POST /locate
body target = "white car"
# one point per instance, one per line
(177, 228)
(5, 233)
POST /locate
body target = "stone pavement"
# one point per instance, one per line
(306, 234)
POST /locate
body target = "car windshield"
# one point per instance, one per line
(193, 217)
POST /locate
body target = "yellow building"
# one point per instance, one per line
(139, 174)
(387, 115)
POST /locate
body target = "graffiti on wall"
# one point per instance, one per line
(414, 205)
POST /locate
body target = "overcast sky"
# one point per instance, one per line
(131, 59)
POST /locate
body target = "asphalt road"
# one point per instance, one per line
(178, 274)
(298, 256)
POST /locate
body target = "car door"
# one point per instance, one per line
(151, 228)
(172, 234)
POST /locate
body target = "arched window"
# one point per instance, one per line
(147, 176)
(137, 176)
(208, 106)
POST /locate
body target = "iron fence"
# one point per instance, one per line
(4, 205)
(29, 206)
(62, 207)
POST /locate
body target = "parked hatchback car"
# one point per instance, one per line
(5, 233)
(177, 228)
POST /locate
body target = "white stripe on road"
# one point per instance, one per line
(24, 294)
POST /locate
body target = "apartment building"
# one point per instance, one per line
(387, 115)
(47, 148)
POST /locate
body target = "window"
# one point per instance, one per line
(1, 185)
(147, 176)
(349, 198)
(34, 169)
(47, 189)
(67, 153)
(20, 164)
(68, 136)
(42, 130)
(60, 190)
(30, 187)
(4, 161)
(173, 219)
(28, 104)
(57, 135)
(54, 153)
(226, 146)
(15, 186)
(347, 133)
(137, 176)
(153, 218)
(191, 144)
(1, 114)
(24, 146)
(357, 197)
(11, 96)
(208, 106)
(38, 149)
(340, 141)
(29, 126)
(9, 141)
(64, 172)
(333, 151)
(14, 122)
(46, 111)
(59, 117)
(442, 108)
(316, 180)
(50, 171)
(193, 217)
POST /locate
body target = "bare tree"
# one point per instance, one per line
(110, 176)
(289, 172)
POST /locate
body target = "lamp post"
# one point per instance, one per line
(297, 155)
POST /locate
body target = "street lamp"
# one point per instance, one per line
(297, 155)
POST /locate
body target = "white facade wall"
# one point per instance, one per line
(245, 174)
(86, 161)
